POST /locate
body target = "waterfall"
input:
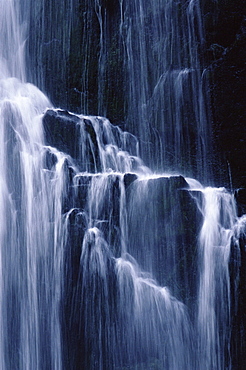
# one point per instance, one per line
(104, 262)
(214, 282)
(161, 45)
(135, 62)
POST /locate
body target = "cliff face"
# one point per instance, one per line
(225, 57)
(76, 57)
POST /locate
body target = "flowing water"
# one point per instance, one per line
(161, 45)
(104, 264)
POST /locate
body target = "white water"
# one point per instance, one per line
(213, 319)
(78, 286)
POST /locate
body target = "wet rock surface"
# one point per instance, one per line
(166, 204)
(225, 57)
(63, 131)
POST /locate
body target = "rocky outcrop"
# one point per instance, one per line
(166, 204)
(240, 197)
(63, 131)
(93, 287)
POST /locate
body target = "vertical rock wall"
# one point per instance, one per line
(225, 58)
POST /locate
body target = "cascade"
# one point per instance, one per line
(104, 263)
(137, 62)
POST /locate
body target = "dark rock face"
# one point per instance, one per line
(129, 178)
(63, 131)
(89, 303)
(240, 197)
(225, 56)
(91, 299)
(65, 55)
(222, 21)
(165, 204)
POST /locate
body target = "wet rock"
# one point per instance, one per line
(50, 160)
(63, 131)
(156, 207)
(100, 197)
(87, 285)
(240, 197)
(129, 178)
(225, 55)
